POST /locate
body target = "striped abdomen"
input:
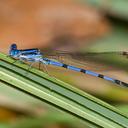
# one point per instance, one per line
(123, 84)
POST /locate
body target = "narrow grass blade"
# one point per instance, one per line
(60, 94)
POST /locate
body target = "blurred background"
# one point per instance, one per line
(72, 26)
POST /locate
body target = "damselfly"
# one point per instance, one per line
(34, 55)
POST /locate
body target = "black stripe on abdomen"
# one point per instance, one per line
(65, 66)
(117, 82)
(83, 70)
(101, 76)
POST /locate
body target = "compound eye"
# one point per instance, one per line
(13, 47)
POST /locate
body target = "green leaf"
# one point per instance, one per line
(123, 108)
(116, 8)
(59, 94)
(49, 119)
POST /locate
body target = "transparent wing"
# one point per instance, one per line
(92, 61)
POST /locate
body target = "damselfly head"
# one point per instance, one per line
(12, 49)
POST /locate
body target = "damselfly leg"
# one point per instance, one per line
(45, 69)
(39, 65)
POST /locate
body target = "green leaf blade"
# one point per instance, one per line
(60, 94)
